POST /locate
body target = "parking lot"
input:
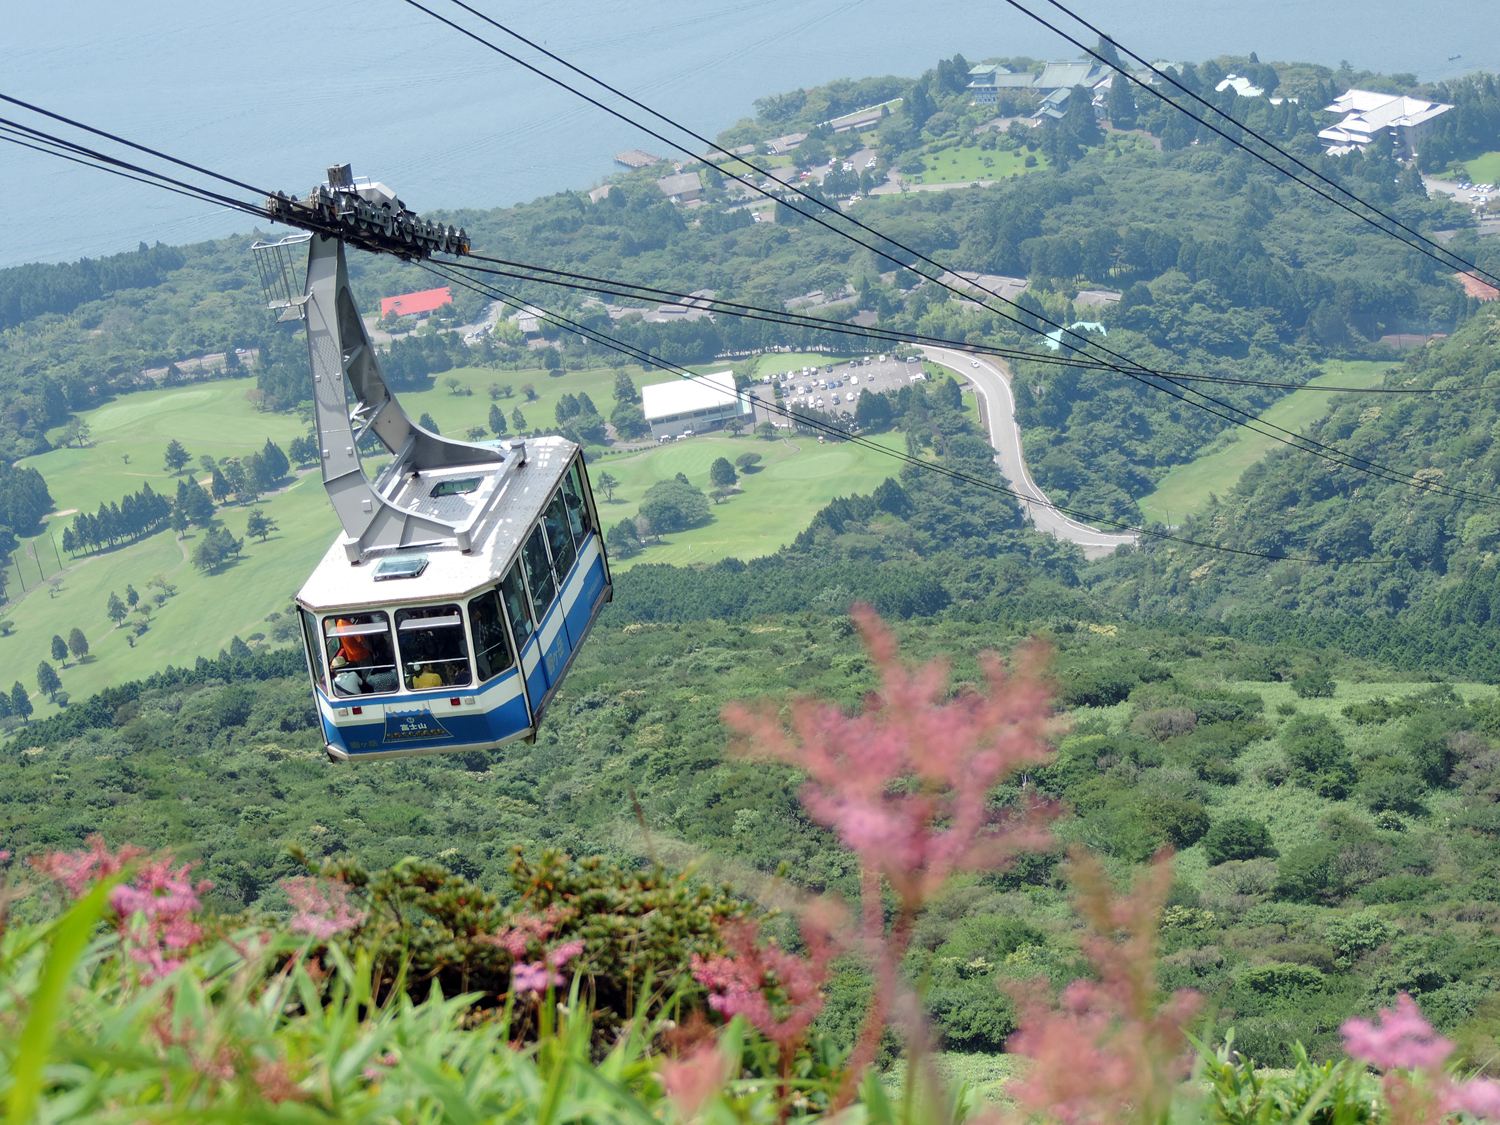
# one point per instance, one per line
(833, 388)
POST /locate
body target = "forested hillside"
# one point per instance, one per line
(1378, 550)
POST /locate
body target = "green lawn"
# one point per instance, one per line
(456, 413)
(130, 435)
(964, 164)
(1484, 169)
(200, 620)
(1186, 489)
(777, 362)
(797, 477)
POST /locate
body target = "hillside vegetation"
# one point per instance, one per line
(1383, 555)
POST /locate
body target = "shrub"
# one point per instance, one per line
(1313, 683)
(1278, 980)
(1237, 837)
(1168, 722)
(1317, 756)
(1354, 935)
(635, 925)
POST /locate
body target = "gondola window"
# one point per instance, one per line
(434, 651)
(513, 591)
(492, 653)
(360, 653)
(539, 574)
(578, 509)
(559, 538)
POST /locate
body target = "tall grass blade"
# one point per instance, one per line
(70, 937)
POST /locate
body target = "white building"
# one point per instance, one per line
(704, 403)
(1368, 115)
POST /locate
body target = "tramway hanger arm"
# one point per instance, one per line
(376, 517)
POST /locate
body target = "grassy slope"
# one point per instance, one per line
(797, 477)
(1186, 489)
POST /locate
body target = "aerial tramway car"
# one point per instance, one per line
(468, 574)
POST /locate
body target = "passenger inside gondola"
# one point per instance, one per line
(433, 647)
(360, 654)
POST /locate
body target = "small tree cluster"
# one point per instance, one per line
(216, 548)
(129, 519)
(192, 506)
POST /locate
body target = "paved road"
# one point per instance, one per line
(997, 406)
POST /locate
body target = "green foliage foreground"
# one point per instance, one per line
(412, 994)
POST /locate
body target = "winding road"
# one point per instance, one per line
(997, 407)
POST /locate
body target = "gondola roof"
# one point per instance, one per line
(502, 504)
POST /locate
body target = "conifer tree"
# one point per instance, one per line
(274, 462)
(59, 649)
(176, 457)
(20, 702)
(46, 679)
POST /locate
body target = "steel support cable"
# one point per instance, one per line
(17, 140)
(957, 475)
(752, 312)
(1429, 247)
(132, 144)
(1135, 371)
(240, 206)
(588, 283)
(182, 185)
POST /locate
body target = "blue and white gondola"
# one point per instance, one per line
(422, 650)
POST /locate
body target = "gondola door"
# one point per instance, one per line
(523, 628)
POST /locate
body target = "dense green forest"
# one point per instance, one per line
(1335, 831)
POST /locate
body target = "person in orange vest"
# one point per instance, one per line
(353, 648)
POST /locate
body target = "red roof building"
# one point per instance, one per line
(416, 304)
(1479, 290)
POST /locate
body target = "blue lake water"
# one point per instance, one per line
(273, 94)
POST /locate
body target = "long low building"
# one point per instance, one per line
(705, 403)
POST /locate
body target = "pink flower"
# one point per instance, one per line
(525, 931)
(154, 910)
(533, 977)
(1479, 1097)
(906, 783)
(738, 983)
(77, 871)
(1399, 1038)
(690, 1081)
(1112, 1043)
(560, 955)
(321, 906)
